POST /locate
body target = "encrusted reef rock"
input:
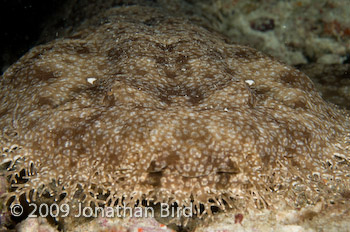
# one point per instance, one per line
(145, 106)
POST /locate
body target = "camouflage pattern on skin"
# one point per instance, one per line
(148, 106)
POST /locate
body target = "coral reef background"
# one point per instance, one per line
(21, 24)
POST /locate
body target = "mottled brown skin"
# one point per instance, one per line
(147, 105)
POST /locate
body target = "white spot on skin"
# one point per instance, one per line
(91, 80)
(249, 82)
